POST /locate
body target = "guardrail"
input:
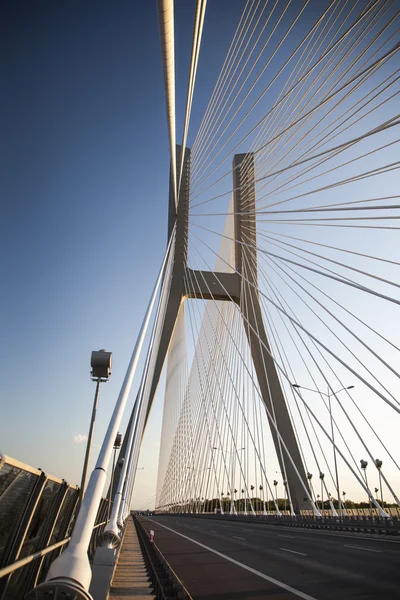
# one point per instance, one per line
(166, 583)
(359, 524)
(37, 515)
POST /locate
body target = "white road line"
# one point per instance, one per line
(337, 534)
(286, 587)
(293, 551)
(238, 538)
(212, 531)
(361, 548)
(286, 536)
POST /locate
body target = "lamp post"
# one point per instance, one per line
(321, 476)
(378, 464)
(329, 395)
(101, 362)
(275, 483)
(309, 477)
(263, 500)
(285, 493)
(364, 465)
(251, 500)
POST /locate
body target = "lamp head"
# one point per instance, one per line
(101, 362)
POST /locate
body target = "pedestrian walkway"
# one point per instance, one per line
(131, 580)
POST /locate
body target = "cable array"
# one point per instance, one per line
(309, 92)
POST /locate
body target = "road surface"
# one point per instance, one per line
(242, 561)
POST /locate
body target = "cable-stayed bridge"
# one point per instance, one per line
(274, 313)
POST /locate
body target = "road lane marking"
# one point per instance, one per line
(293, 551)
(361, 548)
(286, 536)
(280, 584)
(212, 531)
(238, 538)
(341, 534)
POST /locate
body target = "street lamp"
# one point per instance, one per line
(263, 499)
(329, 395)
(309, 477)
(364, 465)
(378, 464)
(275, 483)
(321, 476)
(101, 362)
(285, 491)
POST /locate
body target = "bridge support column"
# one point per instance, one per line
(268, 380)
(240, 287)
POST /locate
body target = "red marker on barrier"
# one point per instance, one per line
(151, 535)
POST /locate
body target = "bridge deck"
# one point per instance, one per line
(207, 576)
(228, 560)
(130, 580)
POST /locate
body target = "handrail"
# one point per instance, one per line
(28, 559)
(13, 462)
(99, 525)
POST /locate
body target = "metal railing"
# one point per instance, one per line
(37, 515)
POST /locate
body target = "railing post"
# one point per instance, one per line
(22, 531)
(45, 538)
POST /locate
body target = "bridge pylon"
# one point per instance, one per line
(241, 287)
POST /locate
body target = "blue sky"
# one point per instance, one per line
(85, 178)
(85, 164)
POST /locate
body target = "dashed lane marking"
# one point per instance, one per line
(361, 548)
(280, 584)
(293, 551)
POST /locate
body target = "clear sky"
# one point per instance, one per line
(84, 171)
(84, 205)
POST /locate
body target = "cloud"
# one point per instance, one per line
(79, 438)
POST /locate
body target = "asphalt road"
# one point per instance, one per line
(309, 564)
